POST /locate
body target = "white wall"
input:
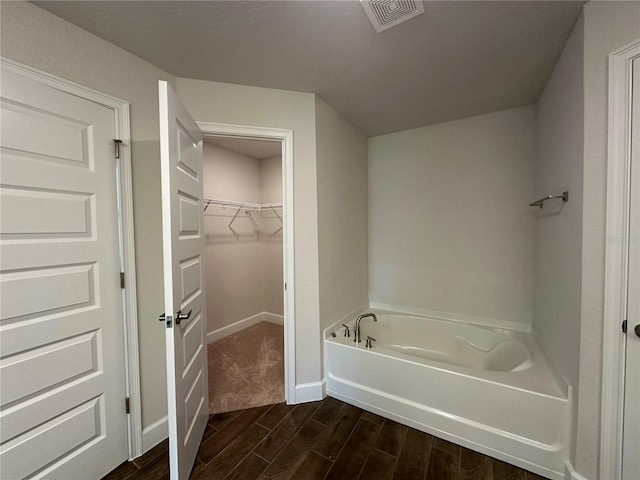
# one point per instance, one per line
(271, 192)
(242, 105)
(234, 260)
(231, 176)
(607, 27)
(558, 257)
(450, 229)
(342, 214)
(243, 270)
(476, 181)
(271, 179)
(37, 38)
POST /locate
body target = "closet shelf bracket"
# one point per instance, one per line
(540, 203)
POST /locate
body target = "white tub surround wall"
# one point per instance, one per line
(467, 375)
(453, 317)
(558, 233)
(608, 26)
(341, 152)
(449, 226)
(35, 37)
(216, 102)
(558, 226)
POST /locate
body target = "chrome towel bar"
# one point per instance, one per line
(540, 203)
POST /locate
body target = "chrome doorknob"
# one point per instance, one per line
(182, 316)
(637, 330)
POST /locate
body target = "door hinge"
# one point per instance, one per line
(624, 326)
(127, 405)
(121, 279)
(116, 144)
(285, 286)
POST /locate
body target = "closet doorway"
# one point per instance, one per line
(246, 230)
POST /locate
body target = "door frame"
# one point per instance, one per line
(209, 129)
(122, 132)
(616, 258)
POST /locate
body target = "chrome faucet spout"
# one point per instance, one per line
(357, 329)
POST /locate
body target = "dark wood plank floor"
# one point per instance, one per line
(321, 440)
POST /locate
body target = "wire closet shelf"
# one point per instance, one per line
(260, 215)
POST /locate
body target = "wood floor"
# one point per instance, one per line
(321, 440)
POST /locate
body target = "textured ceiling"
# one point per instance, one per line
(456, 60)
(251, 148)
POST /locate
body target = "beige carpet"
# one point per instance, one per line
(246, 369)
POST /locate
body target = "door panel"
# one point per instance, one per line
(28, 373)
(181, 161)
(45, 135)
(62, 411)
(50, 214)
(631, 435)
(56, 438)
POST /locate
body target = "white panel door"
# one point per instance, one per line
(62, 395)
(182, 222)
(631, 435)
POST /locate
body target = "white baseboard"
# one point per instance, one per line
(244, 323)
(154, 434)
(454, 317)
(273, 318)
(310, 392)
(570, 472)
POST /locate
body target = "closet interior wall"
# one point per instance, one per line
(243, 268)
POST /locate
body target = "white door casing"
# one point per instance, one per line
(182, 226)
(620, 382)
(288, 257)
(62, 337)
(631, 424)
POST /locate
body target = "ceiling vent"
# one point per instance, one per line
(385, 14)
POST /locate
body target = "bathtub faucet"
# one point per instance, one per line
(357, 329)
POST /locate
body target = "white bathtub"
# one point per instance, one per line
(487, 389)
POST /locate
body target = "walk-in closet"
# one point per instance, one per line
(243, 259)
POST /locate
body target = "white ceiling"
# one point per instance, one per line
(458, 59)
(251, 148)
